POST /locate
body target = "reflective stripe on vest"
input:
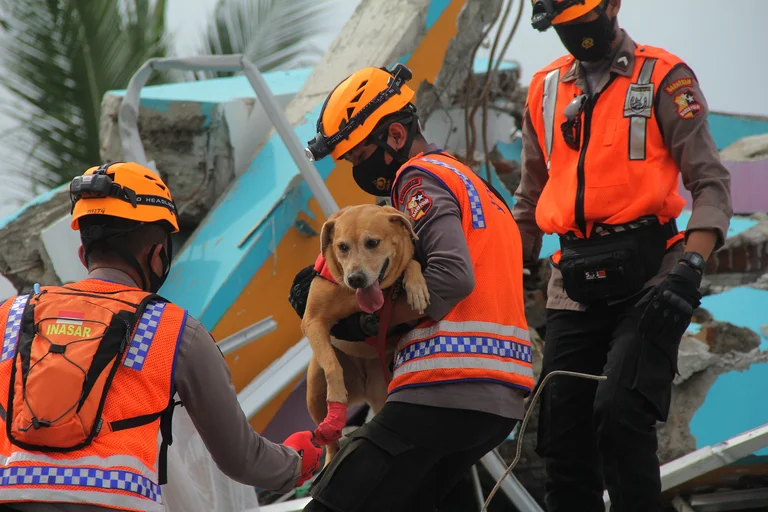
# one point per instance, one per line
(475, 206)
(637, 123)
(464, 327)
(12, 327)
(113, 461)
(106, 499)
(145, 333)
(37, 481)
(548, 108)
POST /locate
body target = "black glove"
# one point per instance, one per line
(671, 305)
(350, 328)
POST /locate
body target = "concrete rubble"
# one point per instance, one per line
(747, 149)
(190, 147)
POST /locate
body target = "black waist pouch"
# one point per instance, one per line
(615, 262)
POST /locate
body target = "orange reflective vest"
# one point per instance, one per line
(623, 169)
(485, 336)
(119, 468)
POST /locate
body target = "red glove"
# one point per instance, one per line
(329, 431)
(309, 452)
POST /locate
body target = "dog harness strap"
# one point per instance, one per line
(321, 267)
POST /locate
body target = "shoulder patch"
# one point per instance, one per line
(407, 187)
(678, 84)
(418, 204)
(688, 106)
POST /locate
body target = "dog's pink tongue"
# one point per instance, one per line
(370, 299)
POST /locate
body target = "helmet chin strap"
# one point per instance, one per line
(402, 155)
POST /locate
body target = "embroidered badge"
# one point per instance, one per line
(418, 204)
(407, 187)
(688, 106)
(639, 101)
(678, 84)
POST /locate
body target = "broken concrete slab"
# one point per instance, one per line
(23, 259)
(747, 149)
(392, 29)
(189, 144)
(727, 348)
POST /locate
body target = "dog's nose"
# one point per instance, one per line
(356, 280)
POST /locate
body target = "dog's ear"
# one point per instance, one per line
(326, 233)
(405, 221)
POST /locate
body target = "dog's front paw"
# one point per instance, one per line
(417, 292)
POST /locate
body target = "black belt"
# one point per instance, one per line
(651, 222)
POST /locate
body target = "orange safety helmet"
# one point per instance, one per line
(555, 12)
(123, 189)
(355, 107)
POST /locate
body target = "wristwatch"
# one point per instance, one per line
(370, 324)
(693, 260)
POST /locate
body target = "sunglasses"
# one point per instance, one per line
(571, 128)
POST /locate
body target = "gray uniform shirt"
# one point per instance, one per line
(447, 268)
(204, 385)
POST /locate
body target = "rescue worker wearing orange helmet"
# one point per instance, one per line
(89, 371)
(460, 373)
(607, 133)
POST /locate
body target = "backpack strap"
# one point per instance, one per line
(166, 414)
(166, 431)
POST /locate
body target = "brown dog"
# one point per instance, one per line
(367, 248)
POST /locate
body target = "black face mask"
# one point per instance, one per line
(590, 41)
(374, 175)
(156, 281)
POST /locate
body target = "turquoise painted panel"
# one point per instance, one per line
(212, 270)
(735, 402)
(220, 90)
(435, 9)
(728, 129)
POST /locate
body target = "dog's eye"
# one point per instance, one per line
(343, 247)
(371, 244)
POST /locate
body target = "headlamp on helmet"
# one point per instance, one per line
(322, 145)
(545, 11)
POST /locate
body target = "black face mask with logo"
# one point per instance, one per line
(589, 41)
(374, 175)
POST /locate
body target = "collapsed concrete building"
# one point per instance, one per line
(238, 192)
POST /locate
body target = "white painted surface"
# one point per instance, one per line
(6, 288)
(61, 243)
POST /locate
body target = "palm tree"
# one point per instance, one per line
(59, 58)
(273, 34)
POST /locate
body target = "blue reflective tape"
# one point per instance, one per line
(145, 333)
(12, 327)
(475, 206)
(467, 345)
(80, 477)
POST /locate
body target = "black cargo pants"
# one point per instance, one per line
(406, 459)
(591, 433)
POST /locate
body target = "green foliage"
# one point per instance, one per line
(59, 58)
(273, 34)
